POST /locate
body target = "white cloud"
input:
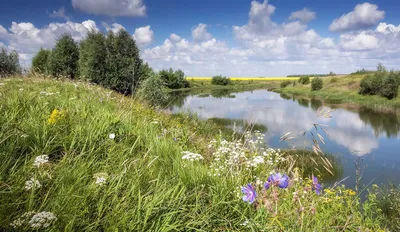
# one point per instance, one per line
(143, 36)
(27, 39)
(111, 7)
(387, 28)
(358, 42)
(115, 27)
(60, 13)
(200, 33)
(304, 15)
(363, 16)
(174, 37)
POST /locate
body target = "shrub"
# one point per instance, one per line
(334, 80)
(9, 63)
(122, 62)
(304, 80)
(284, 84)
(174, 79)
(152, 91)
(40, 61)
(63, 60)
(390, 86)
(316, 84)
(372, 84)
(92, 58)
(220, 80)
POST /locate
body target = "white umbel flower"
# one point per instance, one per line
(42, 220)
(187, 155)
(32, 183)
(40, 160)
(111, 136)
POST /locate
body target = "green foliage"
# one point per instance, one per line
(316, 84)
(334, 80)
(284, 84)
(145, 72)
(372, 84)
(304, 80)
(174, 79)
(9, 63)
(390, 86)
(63, 60)
(92, 58)
(220, 80)
(40, 61)
(389, 203)
(381, 68)
(152, 91)
(122, 63)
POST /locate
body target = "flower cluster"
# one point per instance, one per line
(100, 178)
(187, 155)
(48, 93)
(55, 116)
(40, 160)
(22, 220)
(32, 183)
(42, 220)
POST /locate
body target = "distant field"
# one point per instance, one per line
(248, 78)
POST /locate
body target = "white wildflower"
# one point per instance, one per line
(23, 219)
(187, 155)
(101, 178)
(21, 89)
(42, 220)
(111, 136)
(32, 183)
(41, 159)
(24, 136)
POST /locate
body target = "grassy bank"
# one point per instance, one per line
(76, 157)
(344, 90)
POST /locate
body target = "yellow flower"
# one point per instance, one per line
(351, 192)
(55, 116)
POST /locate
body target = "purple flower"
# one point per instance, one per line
(317, 187)
(249, 193)
(277, 179)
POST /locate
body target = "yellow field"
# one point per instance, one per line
(247, 78)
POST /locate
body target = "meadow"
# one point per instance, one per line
(246, 78)
(77, 157)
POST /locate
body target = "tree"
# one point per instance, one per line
(9, 63)
(316, 84)
(122, 62)
(174, 79)
(92, 57)
(381, 68)
(40, 60)
(63, 61)
(220, 80)
(390, 86)
(152, 91)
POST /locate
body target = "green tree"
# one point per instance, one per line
(381, 68)
(63, 61)
(316, 84)
(390, 86)
(220, 80)
(304, 80)
(122, 62)
(174, 79)
(152, 91)
(9, 63)
(92, 57)
(40, 61)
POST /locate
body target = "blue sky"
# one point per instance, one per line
(234, 38)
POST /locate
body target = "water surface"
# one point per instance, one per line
(356, 135)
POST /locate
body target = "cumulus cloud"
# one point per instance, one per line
(111, 7)
(27, 39)
(363, 16)
(60, 13)
(115, 27)
(304, 15)
(143, 36)
(200, 33)
(358, 42)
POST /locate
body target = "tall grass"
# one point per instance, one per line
(147, 185)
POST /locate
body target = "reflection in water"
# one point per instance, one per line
(352, 132)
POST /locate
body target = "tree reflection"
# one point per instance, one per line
(387, 123)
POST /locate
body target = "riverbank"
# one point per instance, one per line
(343, 90)
(76, 156)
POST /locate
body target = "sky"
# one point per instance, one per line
(237, 38)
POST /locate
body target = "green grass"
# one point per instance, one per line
(149, 187)
(344, 90)
(238, 85)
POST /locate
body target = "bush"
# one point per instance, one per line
(9, 63)
(92, 58)
(390, 86)
(63, 61)
(152, 91)
(122, 63)
(284, 84)
(220, 80)
(174, 79)
(40, 61)
(316, 84)
(372, 84)
(334, 80)
(304, 80)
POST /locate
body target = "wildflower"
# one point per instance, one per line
(351, 192)
(111, 136)
(250, 194)
(42, 220)
(277, 179)
(32, 183)
(55, 116)
(21, 220)
(317, 187)
(187, 155)
(41, 159)
(24, 136)
(101, 178)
